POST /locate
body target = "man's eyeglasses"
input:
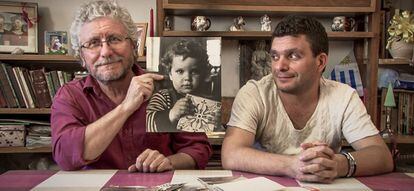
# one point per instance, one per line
(113, 41)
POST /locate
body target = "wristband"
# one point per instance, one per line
(351, 164)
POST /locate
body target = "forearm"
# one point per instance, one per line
(252, 160)
(99, 134)
(182, 161)
(373, 160)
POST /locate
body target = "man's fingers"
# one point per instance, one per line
(154, 76)
(317, 151)
(165, 165)
(141, 158)
(313, 178)
(153, 167)
(312, 144)
(132, 168)
(148, 161)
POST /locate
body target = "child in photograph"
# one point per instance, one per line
(187, 65)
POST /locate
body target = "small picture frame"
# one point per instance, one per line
(56, 42)
(18, 27)
(142, 34)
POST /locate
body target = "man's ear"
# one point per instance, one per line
(82, 60)
(322, 61)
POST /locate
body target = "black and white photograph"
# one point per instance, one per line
(189, 97)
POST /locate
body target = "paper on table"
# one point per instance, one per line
(190, 176)
(410, 174)
(76, 180)
(258, 183)
(338, 184)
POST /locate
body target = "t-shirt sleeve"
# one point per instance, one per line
(67, 131)
(357, 123)
(247, 109)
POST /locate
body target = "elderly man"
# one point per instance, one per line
(300, 118)
(99, 121)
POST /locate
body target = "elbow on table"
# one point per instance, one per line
(228, 160)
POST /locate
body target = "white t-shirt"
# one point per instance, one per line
(258, 109)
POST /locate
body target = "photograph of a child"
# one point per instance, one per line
(188, 99)
(56, 42)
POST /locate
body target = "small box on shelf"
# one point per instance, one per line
(12, 135)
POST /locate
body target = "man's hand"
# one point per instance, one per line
(181, 108)
(151, 161)
(140, 90)
(316, 163)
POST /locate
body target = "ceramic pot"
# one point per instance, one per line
(401, 50)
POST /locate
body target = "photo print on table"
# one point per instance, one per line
(189, 97)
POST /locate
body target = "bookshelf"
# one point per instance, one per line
(366, 9)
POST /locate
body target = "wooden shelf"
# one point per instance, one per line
(395, 62)
(46, 58)
(263, 34)
(25, 150)
(260, 7)
(34, 111)
(52, 62)
(403, 139)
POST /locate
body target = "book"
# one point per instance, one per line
(15, 86)
(2, 100)
(25, 84)
(41, 90)
(8, 91)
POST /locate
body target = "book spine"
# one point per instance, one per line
(29, 83)
(2, 99)
(11, 100)
(40, 88)
(61, 78)
(50, 85)
(15, 86)
(25, 85)
(20, 84)
(55, 79)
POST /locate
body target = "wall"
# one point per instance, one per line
(57, 15)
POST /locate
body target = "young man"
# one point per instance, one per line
(300, 118)
(99, 121)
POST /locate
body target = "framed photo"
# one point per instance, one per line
(56, 42)
(142, 34)
(18, 26)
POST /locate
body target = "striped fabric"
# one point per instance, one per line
(348, 74)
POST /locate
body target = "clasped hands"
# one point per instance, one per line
(316, 163)
(151, 161)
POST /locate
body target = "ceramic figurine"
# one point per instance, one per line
(266, 23)
(238, 24)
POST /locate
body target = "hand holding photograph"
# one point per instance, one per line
(189, 98)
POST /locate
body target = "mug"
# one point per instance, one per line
(200, 23)
(343, 23)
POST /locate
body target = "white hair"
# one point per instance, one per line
(96, 9)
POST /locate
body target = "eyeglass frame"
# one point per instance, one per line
(104, 41)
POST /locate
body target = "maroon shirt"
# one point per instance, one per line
(82, 102)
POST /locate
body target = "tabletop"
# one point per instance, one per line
(17, 180)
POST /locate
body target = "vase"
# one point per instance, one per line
(401, 50)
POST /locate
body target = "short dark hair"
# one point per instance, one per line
(295, 25)
(186, 48)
